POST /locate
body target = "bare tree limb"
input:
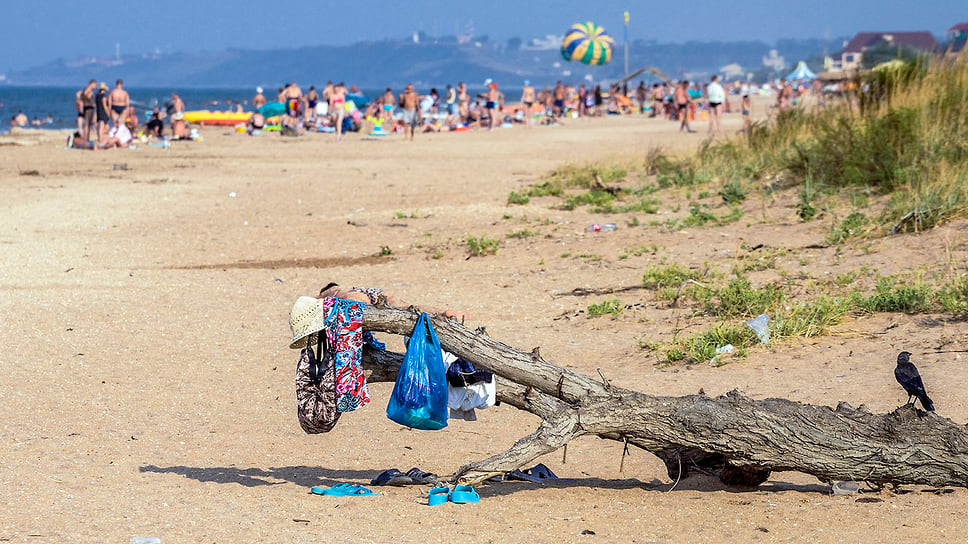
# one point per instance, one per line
(739, 439)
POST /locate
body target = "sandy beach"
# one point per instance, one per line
(146, 385)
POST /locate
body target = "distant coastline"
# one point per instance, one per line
(377, 65)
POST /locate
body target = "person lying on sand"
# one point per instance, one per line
(369, 295)
(77, 141)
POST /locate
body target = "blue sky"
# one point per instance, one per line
(39, 31)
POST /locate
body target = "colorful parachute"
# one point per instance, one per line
(587, 43)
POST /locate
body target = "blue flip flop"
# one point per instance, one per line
(438, 496)
(343, 490)
(463, 494)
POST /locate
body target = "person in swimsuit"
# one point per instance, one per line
(492, 104)
(582, 96)
(118, 101)
(450, 101)
(312, 98)
(292, 98)
(559, 99)
(259, 99)
(155, 126)
(101, 111)
(370, 295)
(463, 101)
(84, 103)
(337, 108)
(681, 99)
(747, 111)
(716, 96)
(410, 105)
(256, 123)
(527, 100)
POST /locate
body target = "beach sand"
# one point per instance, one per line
(146, 385)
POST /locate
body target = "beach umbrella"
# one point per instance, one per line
(272, 109)
(801, 72)
(359, 99)
(587, 43)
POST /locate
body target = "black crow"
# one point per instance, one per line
(907, 375)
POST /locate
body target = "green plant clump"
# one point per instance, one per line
(891, 295)
(478, 247)
(613, 307)
(671, 275)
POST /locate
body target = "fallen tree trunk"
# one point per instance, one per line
(738, 439)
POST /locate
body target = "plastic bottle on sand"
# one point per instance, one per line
(607, 227)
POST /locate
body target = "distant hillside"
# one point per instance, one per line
(393, 63)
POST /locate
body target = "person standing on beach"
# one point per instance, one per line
(582, 96)
(292, 97)
(101, 111)
(337, 108)
(118, 101)
(463, 102)
(84, 103)
(410, 106)
(312, 98)
(527, 100)
(716, 97)
(450, 103)
(681, 99)
(642, 96)
(493, 104)
(259, 99)
(389, 100)
(558, 97)
(747, 111)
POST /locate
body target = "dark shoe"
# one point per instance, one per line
(537, 474)
(420, 477)
(392, 477)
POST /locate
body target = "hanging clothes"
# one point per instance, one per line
(468, 388)
(344, 331)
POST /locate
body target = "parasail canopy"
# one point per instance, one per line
(587, 43)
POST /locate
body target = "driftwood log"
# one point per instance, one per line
(734, 437)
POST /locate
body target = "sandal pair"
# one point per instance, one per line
(343, 490)
(412, 476)
(462, 494)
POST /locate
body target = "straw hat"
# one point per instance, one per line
(306, 317)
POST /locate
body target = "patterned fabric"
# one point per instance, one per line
(344, 331)
(315, 401)
(372, 293)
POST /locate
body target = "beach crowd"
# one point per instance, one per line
(108, 119)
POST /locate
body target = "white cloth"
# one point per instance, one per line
(462, 401)
(122, 133)
(715, 93)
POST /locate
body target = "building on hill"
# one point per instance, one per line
(853, 53)
(957, 38)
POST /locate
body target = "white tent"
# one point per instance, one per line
(801, 72)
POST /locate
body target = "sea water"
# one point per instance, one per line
(58, 102)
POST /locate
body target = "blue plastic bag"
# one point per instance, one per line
(419, 398)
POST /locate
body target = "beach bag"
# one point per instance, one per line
(316, 387)
(419, 398)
